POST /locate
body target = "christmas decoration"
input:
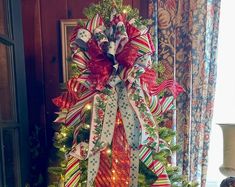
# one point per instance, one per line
(111, 111)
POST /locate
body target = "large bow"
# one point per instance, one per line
(116, 76)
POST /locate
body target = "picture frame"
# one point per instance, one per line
(66, 27)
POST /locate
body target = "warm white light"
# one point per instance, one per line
(119, 121)
(108, 151)
(64, 134)
(87, 126)
(124, 11)
(88, 107)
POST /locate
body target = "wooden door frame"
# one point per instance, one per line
(15, 19)
(21, 93)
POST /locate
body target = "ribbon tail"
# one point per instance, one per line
(160, 106)
(72, 173)
(131, 126)
(134, 170)
(104, 176)
(121, 153)
(155, 166)
(162, 181)
(93, 155)
(92, 169)
(130, 120)
(172, 85)
(106, 137)
(149, 134)
(109, 118)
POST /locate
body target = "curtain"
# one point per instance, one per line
(187, 33)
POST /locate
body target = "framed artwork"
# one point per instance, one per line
(66, 27)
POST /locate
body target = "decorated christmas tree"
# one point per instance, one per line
(111, 117)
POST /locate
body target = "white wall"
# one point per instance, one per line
(224, 110)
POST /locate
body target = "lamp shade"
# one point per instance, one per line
(228, 166)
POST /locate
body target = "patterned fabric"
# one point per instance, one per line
(187, 43)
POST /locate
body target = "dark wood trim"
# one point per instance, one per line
(2, 161)
(6, 40)
(144, 8)
(21, 94)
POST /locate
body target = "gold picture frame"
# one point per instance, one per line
(66, 26)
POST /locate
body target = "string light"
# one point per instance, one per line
(87, 126)
(119, 122)
(62, 177)
(63, 149)
(114, 178)
(64, 134)
(116, 161)
(88, 107)
(108, 151)
(124, 11)
(84, 182)
(113, 171)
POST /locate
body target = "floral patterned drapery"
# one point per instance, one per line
(187, 44)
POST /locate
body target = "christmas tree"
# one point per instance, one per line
(111, 119)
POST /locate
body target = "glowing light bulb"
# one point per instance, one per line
(119, 122)
(108, 151)
(124, 11)
(127, 182)
(87, 126)
(116, 161)
(113, 171)
(64, 134)
(114, 178)
(88, 107)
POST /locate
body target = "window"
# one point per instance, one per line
(224, 109)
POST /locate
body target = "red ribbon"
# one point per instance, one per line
(65, 100)
(100, 66)
(115, 172)
(118, 18)
(132, 31)
(149, 77)
(128, 55)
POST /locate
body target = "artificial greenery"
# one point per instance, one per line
(63, 142)
(36, 152)
(104, 7)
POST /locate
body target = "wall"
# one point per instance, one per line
(42, 47)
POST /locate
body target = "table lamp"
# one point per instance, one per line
(228, 166)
